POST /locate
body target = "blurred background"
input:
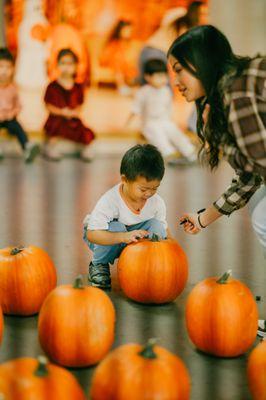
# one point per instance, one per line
(108, 37)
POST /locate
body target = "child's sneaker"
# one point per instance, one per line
(99, 275)
(31, 151)
(51, 153)
(261, 328)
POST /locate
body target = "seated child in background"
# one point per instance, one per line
(63, 99)
(153, 103)
(10, 107)
(129, 211)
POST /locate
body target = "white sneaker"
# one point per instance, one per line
(51, 153)
(261, 328)
(87, 153)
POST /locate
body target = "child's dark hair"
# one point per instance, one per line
(6, 55)
(67, 52)
(154, 66)
(142, 160)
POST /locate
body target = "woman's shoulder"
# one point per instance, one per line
(252, 80)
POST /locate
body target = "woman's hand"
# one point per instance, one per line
(190, 223)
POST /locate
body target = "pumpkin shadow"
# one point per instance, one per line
(213, 357)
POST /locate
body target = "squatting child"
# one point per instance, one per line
(129, 211)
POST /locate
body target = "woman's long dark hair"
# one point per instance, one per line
(206, 53)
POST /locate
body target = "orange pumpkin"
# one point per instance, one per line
(27, 275)
(1, 325)
(28, 378)
(76, 325)
(134, 372)
(65, 36)
(153, 271)
(257, 371)
(222, 316)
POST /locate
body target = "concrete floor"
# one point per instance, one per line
(44, 204)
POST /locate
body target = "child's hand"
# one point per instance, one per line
(134, 236)
(190, 223)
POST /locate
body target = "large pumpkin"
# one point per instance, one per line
(222, 316)
(153, 271)
(76, 325)
(27, 275)
(32, 379)
(1, 325)
(257, 371)
(134, 372)
(65, 36)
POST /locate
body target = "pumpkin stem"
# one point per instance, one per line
(147, 351)
(41, 369)
(155, 238)
(16, 250)
(78, 284)
(224, 277)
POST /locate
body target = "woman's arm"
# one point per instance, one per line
(207, 217)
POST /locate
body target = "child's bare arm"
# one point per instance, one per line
(106, 238)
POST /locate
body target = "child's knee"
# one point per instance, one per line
(157, 227)
(116, 226)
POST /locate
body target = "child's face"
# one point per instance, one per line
(190, 87)
(67, 66)
(157, 80)
(140, 189)
(6, 71)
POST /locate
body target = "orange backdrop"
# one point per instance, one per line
(94, 17)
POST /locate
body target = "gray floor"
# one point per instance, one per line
(44, 204)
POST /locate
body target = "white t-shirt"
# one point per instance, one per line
(111, 206)
(153, 104)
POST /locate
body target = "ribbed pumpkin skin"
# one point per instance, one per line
(222, 318)
(76, 326)
(1, 325)
(257, 371)
(18, 382)
(153, 272)
(125, 375)
(25, 280)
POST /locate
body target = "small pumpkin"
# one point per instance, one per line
(222, 316)
(135, 372)
(153, 271)
(29, 378)
(27, 275)
(76, 325)
(256, 371)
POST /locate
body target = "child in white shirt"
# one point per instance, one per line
(153, 103)
(126, 213)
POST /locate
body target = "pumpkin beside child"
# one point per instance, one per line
(76, 325)
(222, 316)
(153, 271)
(27, 275)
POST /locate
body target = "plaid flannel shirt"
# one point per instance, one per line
(246, 104)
